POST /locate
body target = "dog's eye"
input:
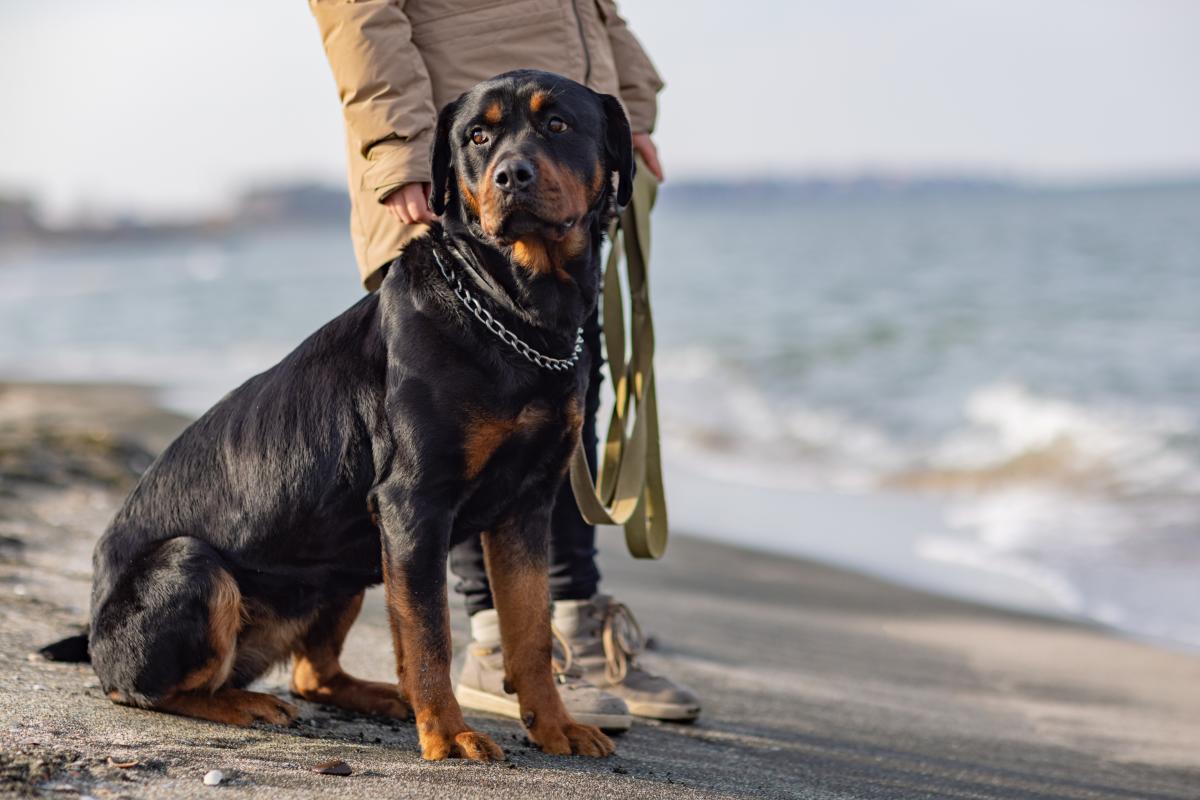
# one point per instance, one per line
(556, 125)
(478, 136)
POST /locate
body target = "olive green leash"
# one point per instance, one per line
(628, 490)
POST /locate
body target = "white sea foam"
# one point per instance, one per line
(1120, 451)
(719, 416)
(1073, 500)
(1007, 438)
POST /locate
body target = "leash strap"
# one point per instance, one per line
(628, 489)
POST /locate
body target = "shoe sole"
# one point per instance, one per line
(664, 711)
(478, 700)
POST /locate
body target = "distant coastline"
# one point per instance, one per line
(311, 203)
(276, 205)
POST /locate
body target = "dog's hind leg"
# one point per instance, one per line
(231, 706)
(167, 638)
(317, 674)
(204, 693)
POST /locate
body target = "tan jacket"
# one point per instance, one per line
(396, 62)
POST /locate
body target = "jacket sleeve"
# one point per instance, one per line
(381, 79)
(639, 80)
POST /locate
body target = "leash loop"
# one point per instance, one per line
(628, 488)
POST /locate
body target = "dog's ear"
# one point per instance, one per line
(618, 147)
(442, 158)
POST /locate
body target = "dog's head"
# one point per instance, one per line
(528, 157)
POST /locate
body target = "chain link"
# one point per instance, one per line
(503, 333)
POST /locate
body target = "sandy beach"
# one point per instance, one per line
(818, 683)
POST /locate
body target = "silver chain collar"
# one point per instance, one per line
(503, 333)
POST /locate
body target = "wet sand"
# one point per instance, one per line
(817, 682)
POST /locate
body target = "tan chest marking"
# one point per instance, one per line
(485, 434)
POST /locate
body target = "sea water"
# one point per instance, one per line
(1025, 363)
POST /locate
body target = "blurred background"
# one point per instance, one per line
(927, 274)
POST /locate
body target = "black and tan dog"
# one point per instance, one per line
(398, 429)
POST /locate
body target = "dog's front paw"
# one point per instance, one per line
(464, 744)
(569, 738)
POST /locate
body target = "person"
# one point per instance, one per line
(395, 63)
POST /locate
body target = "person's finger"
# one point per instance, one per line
(645, 148)
(655, 168)
(419, 204)
(416, 206)
(400, 211)
(394, 203)
(650, 156)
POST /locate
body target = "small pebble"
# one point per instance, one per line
(620, 770)
(213, 777)
(334, 767)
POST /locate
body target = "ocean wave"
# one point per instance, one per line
(1014, 437)
(1080, 501)
(1005, 436)
(715, 414)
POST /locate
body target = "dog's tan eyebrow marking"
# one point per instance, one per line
(493, 114)
(538, 100)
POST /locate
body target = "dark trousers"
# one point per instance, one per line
(573, 572)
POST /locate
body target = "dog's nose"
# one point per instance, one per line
(514, 174)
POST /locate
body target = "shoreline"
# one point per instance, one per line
(830, 527)
(842, 529)
(697, 505)
(818, 681)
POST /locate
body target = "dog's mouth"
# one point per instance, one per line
(520, 220)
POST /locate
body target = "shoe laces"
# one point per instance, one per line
(565, 669)
(622, 640)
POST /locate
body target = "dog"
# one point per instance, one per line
(445, 405)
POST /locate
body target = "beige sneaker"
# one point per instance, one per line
(481, 683)
(605, 641)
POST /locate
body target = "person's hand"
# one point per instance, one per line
(645, 148)
(410, 204)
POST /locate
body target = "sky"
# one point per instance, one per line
(164, 107)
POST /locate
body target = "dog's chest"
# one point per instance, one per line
(518, 457)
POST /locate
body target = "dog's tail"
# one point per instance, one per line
(73, 649)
